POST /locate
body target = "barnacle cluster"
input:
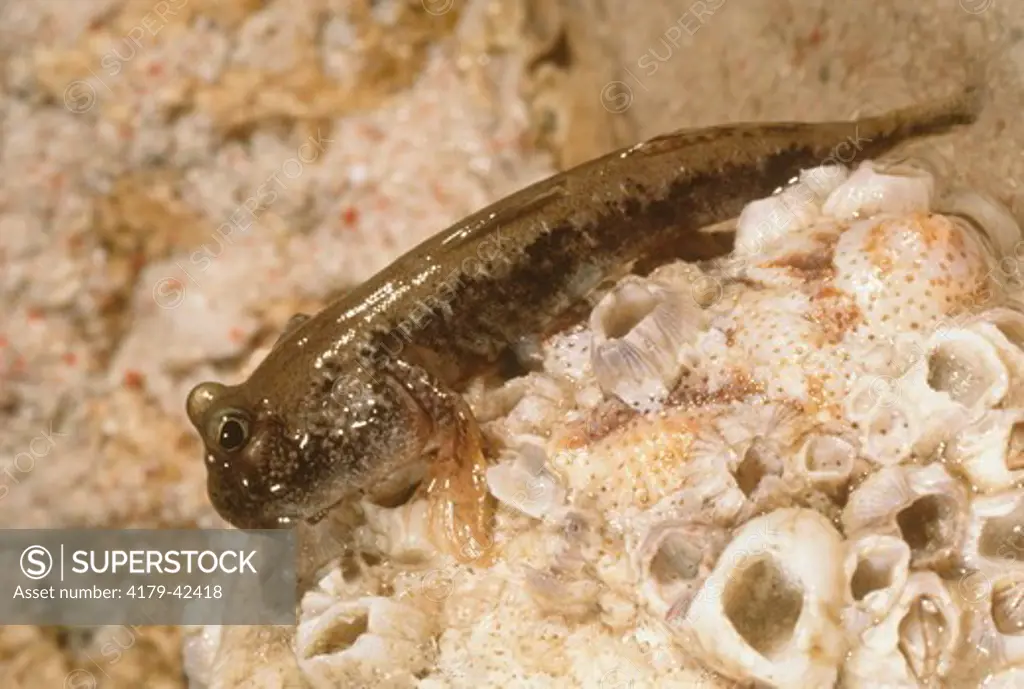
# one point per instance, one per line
(799, 466)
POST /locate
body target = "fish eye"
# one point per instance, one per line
(232, 431)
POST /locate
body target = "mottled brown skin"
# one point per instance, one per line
(350, 400)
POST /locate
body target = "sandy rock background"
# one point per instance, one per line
(178, 177)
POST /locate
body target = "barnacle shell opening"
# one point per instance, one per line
(640, 332)
(771, 599)
(876, 569)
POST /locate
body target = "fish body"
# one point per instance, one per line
(350, 400)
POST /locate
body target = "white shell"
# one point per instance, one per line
(887, 427)
(953, 379)
(958, 378)
(401, 533)
(358, 640)
(710, 481)
(673, 559)
(824, 179)
(995, 534)
(871, 189)
(221, 657)
(769, 610)
(763, 223)
(523, 480)
(1004, 328)
(924, 506)
(990, 452)
(739, 465)
(993, 625)
(641, 330)
(914, 645)
(526, 405)
(966, 367)
(826, 460)
(876, 569)
(199, 652)
(991, 216)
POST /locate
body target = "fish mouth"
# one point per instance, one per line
(245, 509)
(251, 522)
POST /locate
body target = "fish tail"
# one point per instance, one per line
(929, 118)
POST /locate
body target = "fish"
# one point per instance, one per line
(362, 400)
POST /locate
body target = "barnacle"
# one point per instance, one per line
(199, 651)
(993, 626)
(753, 444)
(990, 452)
(966, 368)
(711, 482)
(522, 480)
(640, 330)
(401, 533)
(991, 218)
(826, 460)
(887, 427)
(924, 506)
(222, 656)
(824, 179)
(1007, 608)
(673, 559)
(876, 568)
(873, 189)
(523, 406)
(765, 222)
(995, 534)
(1003, 327)
(767, 613)
(955, 378)
(355, 642)
(914, 644)
(958, 377)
